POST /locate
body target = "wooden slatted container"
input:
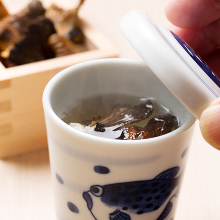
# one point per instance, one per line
(22, 126)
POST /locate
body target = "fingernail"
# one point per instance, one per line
(210, 125)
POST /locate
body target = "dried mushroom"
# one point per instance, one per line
(25, 36)
(62, 46)
(76, 36)
(32, 11)
(13, 27)
(66, 21)
(33, 46)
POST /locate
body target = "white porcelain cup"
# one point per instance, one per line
(99, 178)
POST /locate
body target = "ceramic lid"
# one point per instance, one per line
(173, 61)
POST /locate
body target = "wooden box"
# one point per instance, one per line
(22, 125)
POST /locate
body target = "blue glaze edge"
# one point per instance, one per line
(197, 59)
(186, 63)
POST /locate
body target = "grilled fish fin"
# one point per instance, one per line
(88, 199)
(168, 174)
(118, 215)
(166, 211)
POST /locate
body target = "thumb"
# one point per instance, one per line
(210, 124)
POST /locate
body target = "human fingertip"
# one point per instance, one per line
(169, 10)
(210, 124)
(175, 12)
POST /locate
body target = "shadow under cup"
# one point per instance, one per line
(100, 178)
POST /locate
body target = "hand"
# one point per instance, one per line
(198, 23)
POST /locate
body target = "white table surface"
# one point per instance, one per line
(25, 181)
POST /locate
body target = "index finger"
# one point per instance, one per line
(193, 14)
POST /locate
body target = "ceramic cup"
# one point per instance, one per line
(99, 178)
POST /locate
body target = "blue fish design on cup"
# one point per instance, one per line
(137, 197)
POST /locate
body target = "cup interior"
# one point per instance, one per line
(111, 76)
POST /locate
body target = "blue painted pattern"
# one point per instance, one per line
(197, 59)
(138, 197)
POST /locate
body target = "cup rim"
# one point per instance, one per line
(65, 127)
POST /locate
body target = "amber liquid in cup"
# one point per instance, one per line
(121, 117)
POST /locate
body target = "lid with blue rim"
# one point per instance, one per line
(183, 72)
